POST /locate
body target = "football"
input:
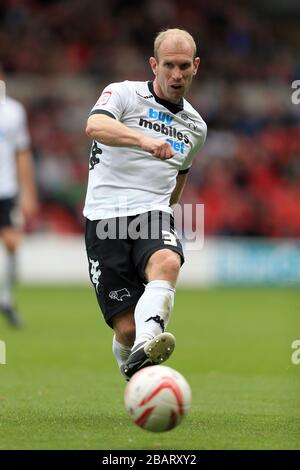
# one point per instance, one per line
(157, 398)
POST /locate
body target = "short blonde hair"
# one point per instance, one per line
(176, 32)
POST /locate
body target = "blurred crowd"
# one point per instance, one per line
(58, 55)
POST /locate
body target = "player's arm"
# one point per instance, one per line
(178, 190)
(112, 132)
(28, 192)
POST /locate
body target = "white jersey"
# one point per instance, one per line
(127, 181)
(14, 137)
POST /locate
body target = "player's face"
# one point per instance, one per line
(174, 69)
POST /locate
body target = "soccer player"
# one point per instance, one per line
(145, 136)
(17, 188)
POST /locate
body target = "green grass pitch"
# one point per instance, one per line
(61, 388)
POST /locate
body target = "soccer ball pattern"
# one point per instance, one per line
(157, 398)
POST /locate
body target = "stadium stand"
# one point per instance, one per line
(248, 175)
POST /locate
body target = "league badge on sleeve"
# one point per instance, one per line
(104, 98)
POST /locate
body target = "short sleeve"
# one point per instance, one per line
(112, 101)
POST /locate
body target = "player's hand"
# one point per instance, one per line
(158, 148)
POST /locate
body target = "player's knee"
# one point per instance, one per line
(165, 262)
(170, 265)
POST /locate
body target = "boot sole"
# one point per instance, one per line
(160, 348)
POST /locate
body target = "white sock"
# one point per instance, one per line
(9, 278)
(153, 310)
(120, 351)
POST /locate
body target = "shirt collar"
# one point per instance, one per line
(173, 107)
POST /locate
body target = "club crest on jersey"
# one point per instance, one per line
(190, 122)
(119, 294)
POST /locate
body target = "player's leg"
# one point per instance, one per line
(152, 344)
(117, 287)
(159, 266)
(10, 237)
(124, 327)
(123, 339)
(154, 308)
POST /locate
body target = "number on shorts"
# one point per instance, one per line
(169, 238)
